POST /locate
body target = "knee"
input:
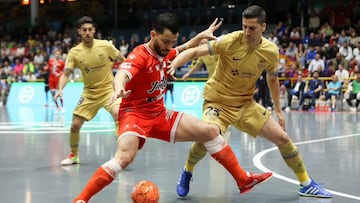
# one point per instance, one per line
(282, 139)
(211, 131)
(75, 127)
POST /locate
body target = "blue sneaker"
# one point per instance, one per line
(314, 190)
(182, 187)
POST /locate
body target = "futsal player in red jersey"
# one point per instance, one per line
(56, 67)
(141, 83)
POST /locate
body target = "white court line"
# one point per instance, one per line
(259, 165)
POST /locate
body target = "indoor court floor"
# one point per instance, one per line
(34, 141)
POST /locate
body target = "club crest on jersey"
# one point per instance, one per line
(261, 64)
(157, 85)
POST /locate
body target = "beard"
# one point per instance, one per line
(159, 51)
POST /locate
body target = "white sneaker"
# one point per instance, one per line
(287, 109)
(352, 109)
(70, 160)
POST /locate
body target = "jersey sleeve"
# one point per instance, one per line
(113, 52)
(132, 64)
(70, 62)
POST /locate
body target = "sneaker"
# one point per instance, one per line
(70, 159)
(287, 109)
(182, 187)
(314, 190)
(254, 179)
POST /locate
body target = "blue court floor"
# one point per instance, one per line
(33, 141)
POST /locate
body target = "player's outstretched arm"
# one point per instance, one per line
(64, 78)
(119, 83)
(206, 34)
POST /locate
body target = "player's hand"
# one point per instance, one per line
(58, 94)
(171, 73)
(119, 93)
(281, 119)
(209, 33)
(185, 76)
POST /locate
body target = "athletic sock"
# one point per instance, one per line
(223, 154)
(196, 153)
(102, 177)
(293, 159)
(74, 142)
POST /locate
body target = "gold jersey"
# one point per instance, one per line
(239, 66)
(96, 65)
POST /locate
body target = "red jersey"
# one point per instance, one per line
(56, 67)
(148, 79)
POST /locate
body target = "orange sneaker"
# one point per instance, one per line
(254, 179)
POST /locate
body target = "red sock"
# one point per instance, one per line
(227, 158)
(97, 182)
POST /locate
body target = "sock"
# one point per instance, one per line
(61, 102)
(56, 103)
(196, 153)
(102, 177)
(293, 159)
(74, 142)
(223, 154)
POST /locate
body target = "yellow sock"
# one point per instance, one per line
(74, 142)
(293, 159)
(196, 153)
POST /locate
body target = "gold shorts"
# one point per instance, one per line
(88, 106)
(248, 118)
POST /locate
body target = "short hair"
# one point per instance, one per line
(166, 21)
(255, 12)
(85, 19)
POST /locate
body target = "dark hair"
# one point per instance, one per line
(255, 12)
(166, 21)
(85, 19)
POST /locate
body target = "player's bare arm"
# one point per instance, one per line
(274, 87)
(187, 56)
(119, 82)
(64, 78)
(206, 34)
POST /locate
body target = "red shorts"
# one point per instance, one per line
(53, 83)
(142, 125)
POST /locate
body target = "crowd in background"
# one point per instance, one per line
(322, 38)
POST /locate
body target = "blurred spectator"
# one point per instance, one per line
(301, 55)
(342, 74)
(316, 64)
(295, 91)
(343, 38)
(18, 67)
(291, 51)
(346, 51)
(339, 59)
(124, 47)
(356, 53)
(353, 92)
(333, 90)
(312, 90)
(273, 38)
(29, 68)
(310, 55)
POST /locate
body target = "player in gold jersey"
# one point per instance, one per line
(95, 59)
(228, 95)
